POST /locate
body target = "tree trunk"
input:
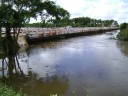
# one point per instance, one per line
(10, 51)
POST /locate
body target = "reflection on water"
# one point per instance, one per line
(40, 87)
(123, 45)
(86, 66)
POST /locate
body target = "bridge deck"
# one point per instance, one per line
(43, 33)
(46, 32)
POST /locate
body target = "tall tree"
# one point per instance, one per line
(16, 13)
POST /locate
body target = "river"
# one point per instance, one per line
(93, 65)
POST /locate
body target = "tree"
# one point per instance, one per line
(16, 13)
(123, 26)
(123, 34)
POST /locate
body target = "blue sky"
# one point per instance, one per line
(99, 9)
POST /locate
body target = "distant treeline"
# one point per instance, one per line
(75, 22)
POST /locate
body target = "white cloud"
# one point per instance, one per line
(100, 9)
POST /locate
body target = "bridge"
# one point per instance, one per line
(61, 32)
(47, 32)
(36, 34)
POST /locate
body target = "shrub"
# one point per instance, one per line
(7, 91)
(123, 35)
(124, 26)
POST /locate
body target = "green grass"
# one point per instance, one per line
(7, 91)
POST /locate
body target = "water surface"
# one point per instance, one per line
(84, 66)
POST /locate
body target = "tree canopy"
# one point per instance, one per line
(124, 26)
(16, 13)
(123, 34)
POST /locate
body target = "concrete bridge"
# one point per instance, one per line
(46, 32)
(36, 34)
(61, 32)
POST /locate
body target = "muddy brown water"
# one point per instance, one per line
(82, 66)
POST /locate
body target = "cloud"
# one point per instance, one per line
(99, 9)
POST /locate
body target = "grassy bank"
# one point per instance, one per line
(7, 91)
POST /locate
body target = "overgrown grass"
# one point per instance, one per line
(123, 35)
(7, 91)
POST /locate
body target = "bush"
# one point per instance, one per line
(123, 35)
(124, 26)
(6, 91)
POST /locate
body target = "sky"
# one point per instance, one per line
(99, 9)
